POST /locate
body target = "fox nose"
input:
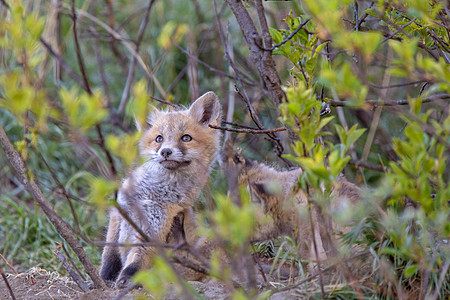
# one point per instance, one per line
(166, 152)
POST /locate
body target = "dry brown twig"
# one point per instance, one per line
(5, 279)
(9, 265)
(79, 281)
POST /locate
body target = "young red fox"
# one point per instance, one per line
(180, 148)
(282, 199)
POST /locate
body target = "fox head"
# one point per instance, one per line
(183, 140)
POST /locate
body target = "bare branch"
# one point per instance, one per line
(9, 265)
(65, 66)
(211, 68)
(78, 50)
(253, 131)
(5, 279)
(368, 165)
(391, 102)
(398, 30)
(165, 102)
(79, 281)
(100, 61)
(71, 261)
(126, 90)
(391, 86)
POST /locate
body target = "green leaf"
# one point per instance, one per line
(276, 35)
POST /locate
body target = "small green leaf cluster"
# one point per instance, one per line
(233, 224)
(322, 162)
(158, 279)
(83, 110)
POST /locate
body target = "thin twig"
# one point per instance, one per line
(79, 281)
(258, 263)
(240, 125)
(125, 291)
(126, 90)
(106, 151)
(7, 284)
(9, 265)
(391, 86)
(289, 37)
(88, 88)
(78, 50)
(391, 102)
(368, 165)
(316, 250)
(63, 190)
(363, 18)
(112, 43)
(377, 115)
(252, 131)
(398, 30)
(100, 60)
(251, 109)
(211, 68)
(71, 261)
(165, 102)
(65, 66)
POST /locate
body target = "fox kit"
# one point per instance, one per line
(179, 148)
(282, 199)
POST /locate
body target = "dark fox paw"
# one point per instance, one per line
(125, 276)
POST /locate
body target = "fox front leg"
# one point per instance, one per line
(111, 261)
(157, 226)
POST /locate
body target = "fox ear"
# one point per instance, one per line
(149, 121)
(206, 110)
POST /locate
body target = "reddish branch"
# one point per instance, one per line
(61, 226)
(9, 265)
(392, 102)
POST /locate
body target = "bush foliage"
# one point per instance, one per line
(366, 87)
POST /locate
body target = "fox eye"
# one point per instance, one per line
(159, 139)
(186, 138)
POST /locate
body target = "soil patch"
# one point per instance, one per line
(40, 284)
